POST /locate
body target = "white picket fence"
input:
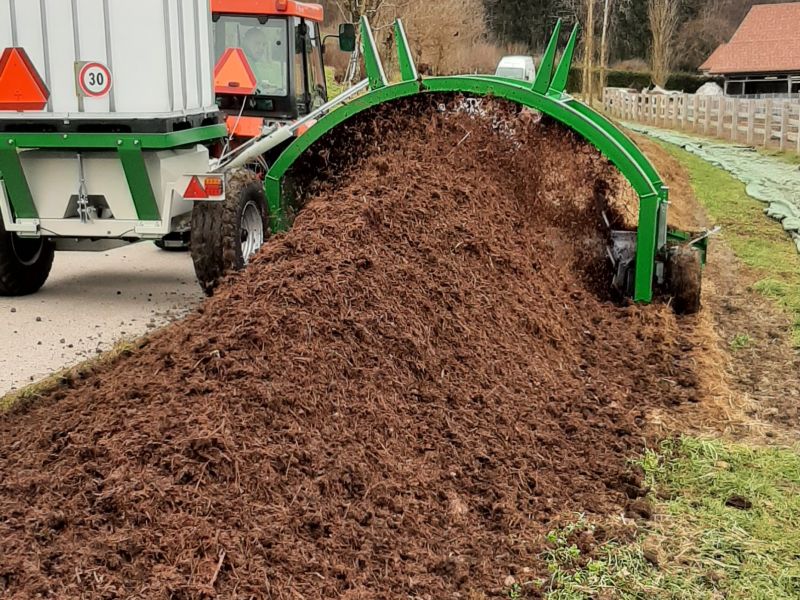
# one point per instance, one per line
(773, 123)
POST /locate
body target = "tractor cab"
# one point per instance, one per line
(269, 62)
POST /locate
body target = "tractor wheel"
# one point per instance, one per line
(685, 278)
(24, 263)
(226, 235)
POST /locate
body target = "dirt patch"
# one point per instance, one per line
(750, 390)
(397, 399)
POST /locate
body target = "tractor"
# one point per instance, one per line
(269, 75)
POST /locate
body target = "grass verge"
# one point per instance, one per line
(334, 87)
(64, 377)
(759, 242)
(727, 526)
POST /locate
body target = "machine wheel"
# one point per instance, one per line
(24, 263)
(685, 279)
(226, 235)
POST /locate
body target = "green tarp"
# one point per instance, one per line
(767, 179)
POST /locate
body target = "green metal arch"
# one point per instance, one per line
(592, 126)
(595, 128)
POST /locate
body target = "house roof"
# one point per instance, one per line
(767, 41)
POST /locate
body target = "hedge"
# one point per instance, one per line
(685, 82)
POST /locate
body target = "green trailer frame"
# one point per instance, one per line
(129, 147)
(547, 95)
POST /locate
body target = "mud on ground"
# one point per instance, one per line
(397, 399)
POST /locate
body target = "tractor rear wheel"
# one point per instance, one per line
(226, 235)
(685, 279)
(25, 263)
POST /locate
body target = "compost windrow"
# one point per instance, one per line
(397, 399)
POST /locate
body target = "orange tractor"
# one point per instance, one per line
(270, 85)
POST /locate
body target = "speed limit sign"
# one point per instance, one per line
(94, 79)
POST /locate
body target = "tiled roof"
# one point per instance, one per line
(767, 41)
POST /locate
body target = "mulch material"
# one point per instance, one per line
(396, 400)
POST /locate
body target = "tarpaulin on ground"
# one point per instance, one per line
(768, 179)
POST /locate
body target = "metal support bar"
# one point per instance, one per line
(273, 190)
(543, 77)
(646, 242)
(408, 70)
(559, 84)
(372, 60)
(97, 141)
(138, 181)
(270, 138)
(19, 193)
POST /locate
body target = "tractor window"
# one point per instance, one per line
(264, 45)
(299, 65)
(316, 71)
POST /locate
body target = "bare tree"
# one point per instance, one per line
(352, 11)
(588, 53)
(608, 6)
(448, 36)
(663, 16)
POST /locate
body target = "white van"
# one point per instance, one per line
(517, 67)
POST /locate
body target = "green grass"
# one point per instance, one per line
(54, 381)
(758, 241)
(793, 158)
(740, 341)
(334, 87)
(706, 549)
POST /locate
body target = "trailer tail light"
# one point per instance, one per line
(207, 188)
(195, 190)
(213, 186)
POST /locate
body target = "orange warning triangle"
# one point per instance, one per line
(21, 87)
(195, 191)
(233, 74)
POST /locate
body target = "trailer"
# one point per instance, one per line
(98, 123)
(109, 137)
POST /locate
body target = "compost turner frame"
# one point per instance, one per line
(547, 95)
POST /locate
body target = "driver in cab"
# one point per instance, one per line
(267, 69)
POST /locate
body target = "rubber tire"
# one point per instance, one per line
(685, 279)
(216, 229)
(16, 277)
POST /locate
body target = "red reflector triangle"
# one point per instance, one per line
(195, 191)
(21, 87)
(233, 74)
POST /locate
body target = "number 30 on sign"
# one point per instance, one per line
(94, 79)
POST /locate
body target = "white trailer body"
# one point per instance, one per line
(157, 53)
(103, 160)
(63, 182)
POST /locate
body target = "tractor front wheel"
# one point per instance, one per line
(226, 235)
(684, 279)
(25, 263)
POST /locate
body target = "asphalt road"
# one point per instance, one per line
(90, 302)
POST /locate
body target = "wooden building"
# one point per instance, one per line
(762, 59)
